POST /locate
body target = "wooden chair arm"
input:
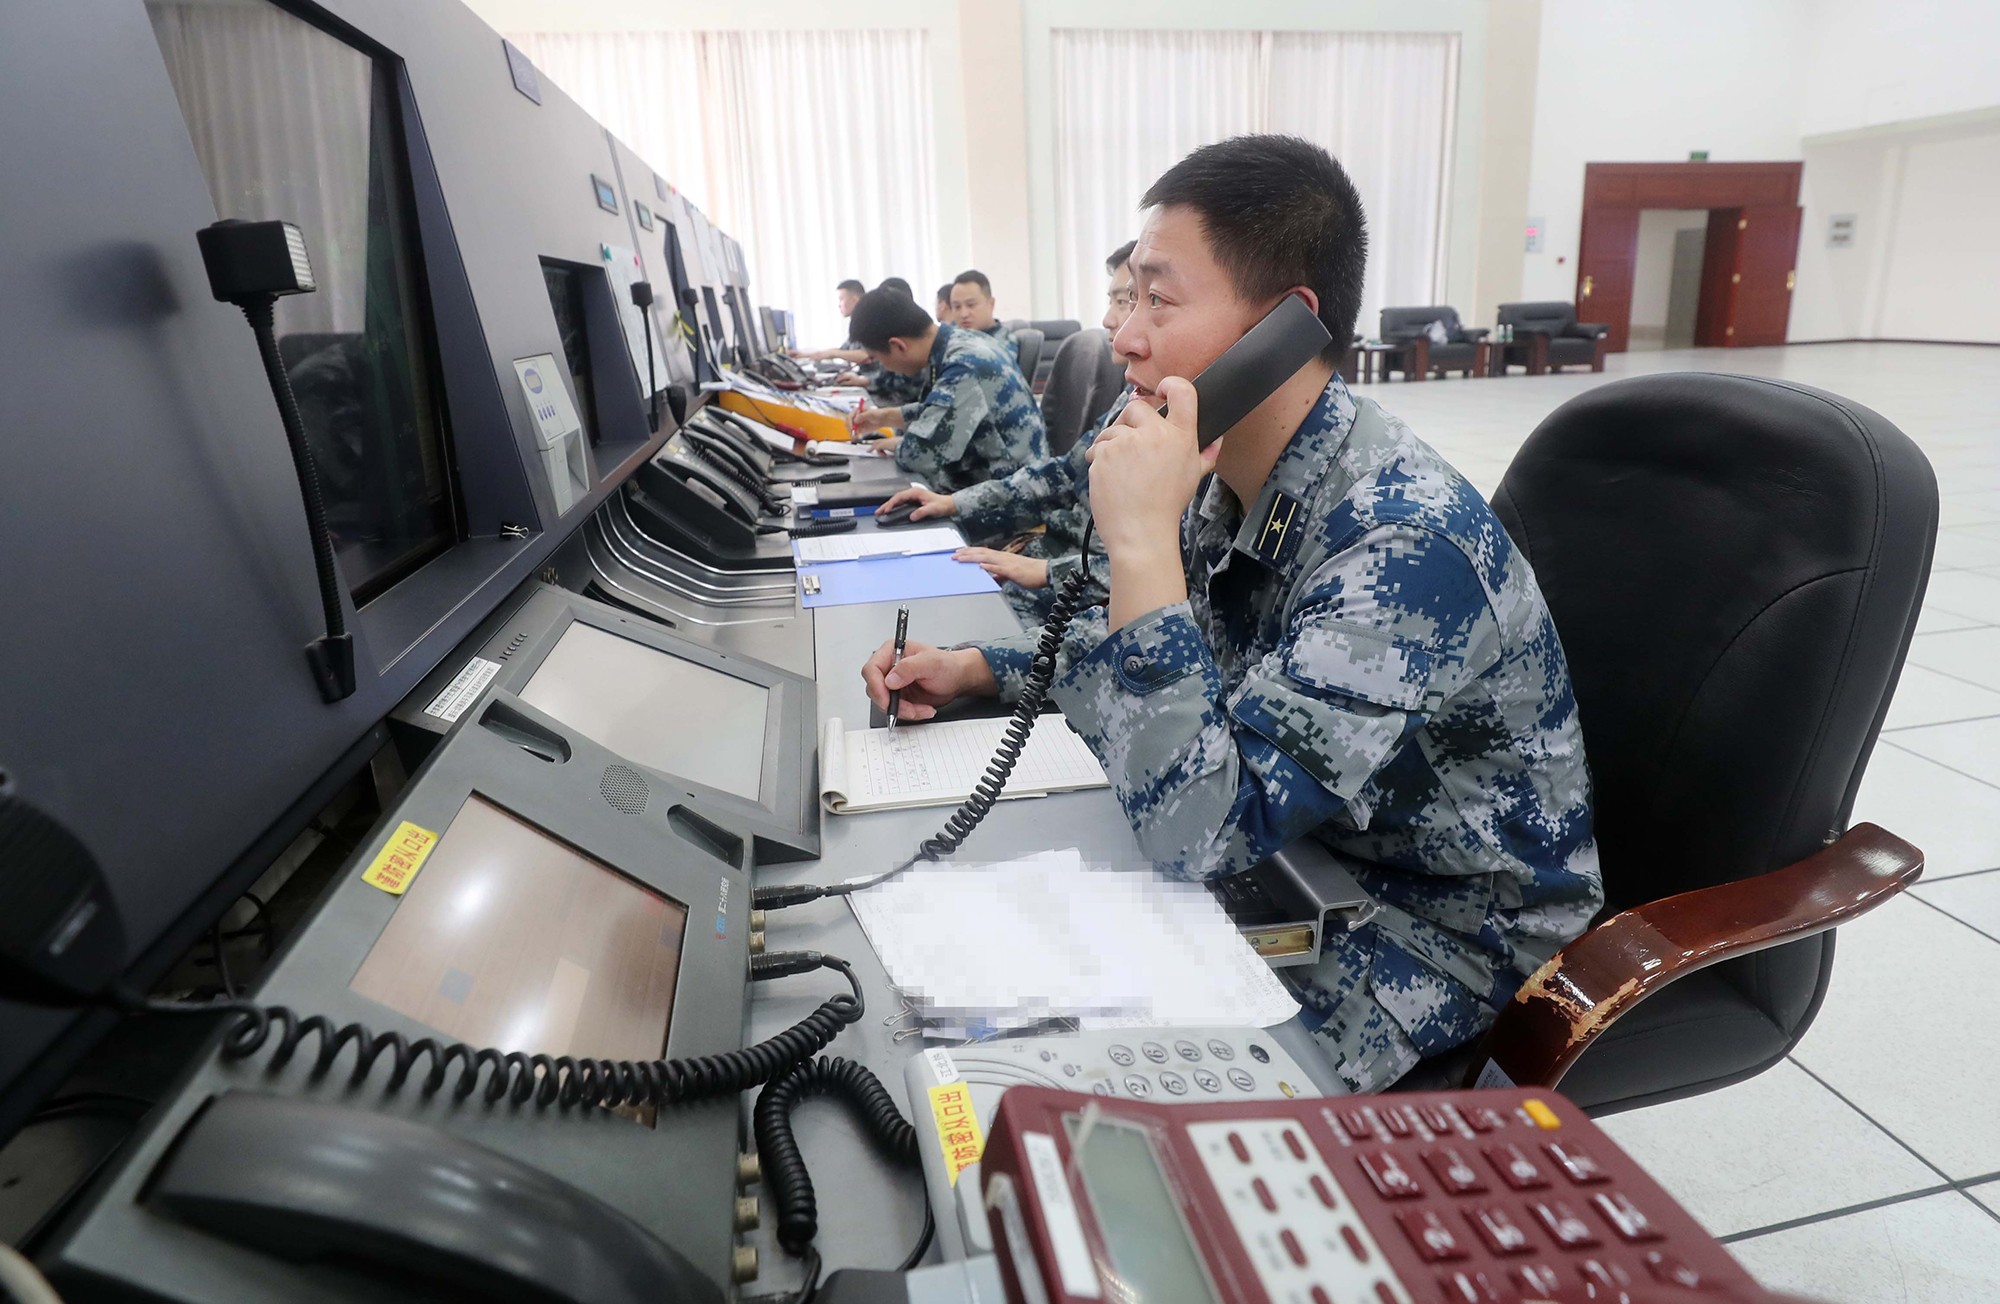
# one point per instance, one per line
(1600, 976)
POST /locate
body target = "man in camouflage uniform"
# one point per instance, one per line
(1336, 640)
(972, 309)
(976, 419)
(1046, 493)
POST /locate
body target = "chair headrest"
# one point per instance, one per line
(1735, 566)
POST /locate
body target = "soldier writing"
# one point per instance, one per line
(976, 418)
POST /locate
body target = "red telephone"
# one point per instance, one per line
(1464, 1197)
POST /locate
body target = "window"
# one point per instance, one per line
(291, 122)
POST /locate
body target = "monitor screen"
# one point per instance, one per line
(511, 939)
(290, 122)
(565, 286)
(655, 708)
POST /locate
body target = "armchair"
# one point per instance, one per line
(1735, 567)
(1548, 337)
(1419, 354)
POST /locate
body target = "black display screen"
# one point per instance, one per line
(292, 123)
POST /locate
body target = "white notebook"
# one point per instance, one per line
(937, 764)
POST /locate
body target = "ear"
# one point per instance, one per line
(1305, 292)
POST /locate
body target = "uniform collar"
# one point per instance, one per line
(1304, 472)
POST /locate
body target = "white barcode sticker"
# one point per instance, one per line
(463, 690)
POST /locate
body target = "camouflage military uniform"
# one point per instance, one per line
(1010, 348)
(1048, 493)
(977, 419)
(888, 388)
(1366, 658)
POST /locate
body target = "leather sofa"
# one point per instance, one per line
(1548, 337)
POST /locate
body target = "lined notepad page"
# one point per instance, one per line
(938, 764)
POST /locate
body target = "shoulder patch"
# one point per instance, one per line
(1279, 533)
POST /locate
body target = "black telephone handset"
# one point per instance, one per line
(728, 458)
(1228, 389)
(1250, 370)
(683, 460)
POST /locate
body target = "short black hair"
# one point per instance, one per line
(852, 286)
(898, 283)
(1278, 211)
(1120, 258)
(884, 314)
(944, 292)
(973, 278)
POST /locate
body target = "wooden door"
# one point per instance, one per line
(1715, 315)
(1767, 251)
(1604, 269)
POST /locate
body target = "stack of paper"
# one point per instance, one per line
(876, 543)
(999, 947)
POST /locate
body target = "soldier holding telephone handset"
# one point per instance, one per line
(1334, 638)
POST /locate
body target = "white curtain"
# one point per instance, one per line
(279, 115)
(1383, 104)
(784, 139)
(1130, 104)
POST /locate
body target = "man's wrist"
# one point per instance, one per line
(977, 679)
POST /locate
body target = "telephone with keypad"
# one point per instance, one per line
(1466, 1197)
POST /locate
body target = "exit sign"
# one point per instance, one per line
(1697, 156)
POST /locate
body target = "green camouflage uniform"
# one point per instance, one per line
(1366, 659)
(976, 421)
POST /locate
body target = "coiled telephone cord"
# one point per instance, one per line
(543, 1080)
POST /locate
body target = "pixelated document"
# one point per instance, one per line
(1047, 937)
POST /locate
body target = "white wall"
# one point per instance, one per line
(1653, 272)
(1871, 62)
(1925, 261)
(1646, 83)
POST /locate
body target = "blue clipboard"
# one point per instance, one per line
(891, 579)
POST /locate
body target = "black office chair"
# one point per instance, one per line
(1735, 566)
(1083, 380)
(1028, 351)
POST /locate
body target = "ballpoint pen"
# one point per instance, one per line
(902, 637)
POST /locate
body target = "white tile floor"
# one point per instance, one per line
(1866, 1168)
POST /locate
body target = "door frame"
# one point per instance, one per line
(1615, 191)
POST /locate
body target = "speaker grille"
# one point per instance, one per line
(625, 789)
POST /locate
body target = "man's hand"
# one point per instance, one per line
(930, 504)
(875, 418)
(1144, 471)
(927, 677)
(850, 378)
(1028, 572)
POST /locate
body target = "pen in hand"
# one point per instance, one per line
(902, 638)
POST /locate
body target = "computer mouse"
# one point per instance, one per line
(896, 516)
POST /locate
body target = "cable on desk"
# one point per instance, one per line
(784, 1167)
(543, 1079)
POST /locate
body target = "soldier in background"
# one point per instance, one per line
(1047, 493)
(972, 309)
(850, 292)
(976, 418)
(944, 309)
(1317, 628)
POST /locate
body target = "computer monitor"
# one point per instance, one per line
(737, 735)
(532, 892)
(664, 711)
(565, 283)
(289, 121)
(774, 330)
(513, 939)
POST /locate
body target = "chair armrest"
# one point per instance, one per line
(1600, 976)
(1471, 334)
(1589, 330)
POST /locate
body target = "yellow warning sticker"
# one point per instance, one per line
(957, 1127)
(400, 858)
